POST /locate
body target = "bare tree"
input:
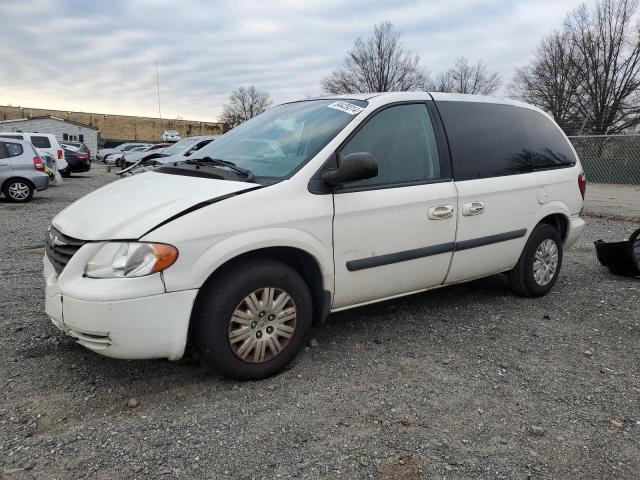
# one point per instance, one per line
(466, 78)
(551, 81)
(244, 103)
(377, 64)
(608, 64)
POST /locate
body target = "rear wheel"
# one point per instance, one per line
(539, 265)
(66, 173)
(252, 321)
(18, 190)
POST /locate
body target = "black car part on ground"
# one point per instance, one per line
(621, 258)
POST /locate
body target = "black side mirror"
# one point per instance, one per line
(355, 166)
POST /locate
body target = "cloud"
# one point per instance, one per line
(100, 56)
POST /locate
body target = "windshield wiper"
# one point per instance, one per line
(248, 174)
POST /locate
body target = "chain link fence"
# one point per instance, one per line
(609, 158)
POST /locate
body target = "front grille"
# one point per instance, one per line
(60, 248)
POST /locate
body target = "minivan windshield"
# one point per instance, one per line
(275, 143)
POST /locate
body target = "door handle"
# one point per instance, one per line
(473, 208)
(440, 212)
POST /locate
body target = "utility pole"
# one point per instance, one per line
(158, 85)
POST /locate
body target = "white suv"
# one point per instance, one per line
(44, 142)
(239, 249)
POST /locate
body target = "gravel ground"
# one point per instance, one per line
(464, 382)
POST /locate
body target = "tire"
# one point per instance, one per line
(66, 173)
(223, 312)
(522, 279)
(18, 190)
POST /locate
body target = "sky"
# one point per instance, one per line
(99, 56)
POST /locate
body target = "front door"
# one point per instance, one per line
(395, 233)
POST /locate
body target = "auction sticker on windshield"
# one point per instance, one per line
(346, 107)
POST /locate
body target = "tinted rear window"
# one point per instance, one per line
(40, 142)
(490, 140)
(549, 148)
(486, 140)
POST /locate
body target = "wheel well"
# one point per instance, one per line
(559, 222)
(16, 178)
(302, 262)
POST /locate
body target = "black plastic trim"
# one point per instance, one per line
(482, 241)
(397, 257)
(380, 260)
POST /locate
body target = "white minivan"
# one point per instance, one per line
(313, 207)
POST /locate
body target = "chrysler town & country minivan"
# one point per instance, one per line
(309, 208)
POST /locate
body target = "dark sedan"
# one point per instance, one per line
(77, 156)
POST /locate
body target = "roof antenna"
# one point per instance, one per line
(158, 85)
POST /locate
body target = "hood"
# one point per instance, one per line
(129, 208)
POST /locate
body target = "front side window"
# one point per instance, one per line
(277, 142)
(403, 141)
(40, 142)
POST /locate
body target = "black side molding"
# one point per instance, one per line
(390, 258)
(397, 257)
(481, 242)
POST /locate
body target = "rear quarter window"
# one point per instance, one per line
(40, 142)
(486, 140)
(549, 147)
(13, 149)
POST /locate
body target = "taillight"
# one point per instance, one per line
(60, 154)
(582, 183)
(37, 163)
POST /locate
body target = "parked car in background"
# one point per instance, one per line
(43, 142)
(124, 147)
(374, 196)
(133, 155)
(171, 136)
(78, 157)
(174, 153)
(21, 170)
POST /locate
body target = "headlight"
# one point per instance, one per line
(130, 259)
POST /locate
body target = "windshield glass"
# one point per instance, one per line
(276, 142)
(125, 147)
(180, 146)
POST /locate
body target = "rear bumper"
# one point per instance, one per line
(79, 166)
(574, 231)
(41, 182)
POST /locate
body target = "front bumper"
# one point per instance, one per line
(149, 326)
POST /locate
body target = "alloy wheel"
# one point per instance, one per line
(18, 191)
(545, 262)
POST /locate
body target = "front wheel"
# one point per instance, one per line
(252, 320)
(538, 268)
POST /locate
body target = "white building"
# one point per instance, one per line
(62, 129)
